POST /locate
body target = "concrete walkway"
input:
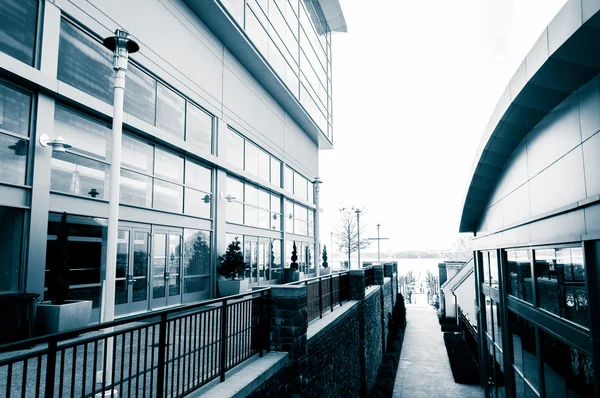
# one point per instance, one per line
(424, 369)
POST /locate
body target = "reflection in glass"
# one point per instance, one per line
(13, 159)
(197, 203)
(15, 107)
(235, 212)
(168, 166)
(519, 274)
(84, 63)
(135, 189)
(251, 159)
(276, 264)
(11, 230)
(159, 264)
(140, 95)
(121, 286)
(251, 195)
(140, 266)
(250, 216)
(197, 176)
(137, 155)
(17, 29)
(524, 353)
(485, 264)
(87, 136)
(264, 164)
(289, 179)
(79, 176)
(167, 196)
(275, 172)
(264, 219)
(198, 129)
(494, 269)
(300, 186)
(235, 149)
(560, 278)
(170, 112)
(568, 372)
(174, 264)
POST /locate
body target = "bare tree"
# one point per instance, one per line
(346, 232)
(463, 249)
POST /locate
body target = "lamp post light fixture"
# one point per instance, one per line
(58, 145)
(122, 45)
(316, 184)
(378, 239)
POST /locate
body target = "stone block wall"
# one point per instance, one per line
(372, 336)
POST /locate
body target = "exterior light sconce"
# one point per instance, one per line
(206, 198)
(20, 148)
(93, 193)
(58, 145)
(274, 216)
(229, 197)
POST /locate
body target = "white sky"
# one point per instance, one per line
(415, 82)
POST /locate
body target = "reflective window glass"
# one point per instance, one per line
(13, 159)
(275, 172)
(311, 223)
(235, 188)
(140, 94)
(235, 149)
(170, 112)
(263, 199)
(79, 176)
(251, 216)
(519, 275)
(235, 212)
(168, 166)
(289, 179)
(264, 164)
(264, 220)
(85, 63)
(524, 352)
(485, 261)
(568, 372)
(196, 259)
(87, 136)
(135, 189)
(15, 108)
(17, 29)
(197, 176)
(198, 130)
(275, 204)
(11, 230)
(493, 269)
(560, 279)
(311, 192)
(167, 196)
(276, 259)
(251, 195)
(251, 160)
(197, 203)
(137, 154)
(289, 217)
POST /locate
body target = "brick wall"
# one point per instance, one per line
(372, 341)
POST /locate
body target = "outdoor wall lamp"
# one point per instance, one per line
(206, 198)
(58, 145)
(20, 148)
(230, 198)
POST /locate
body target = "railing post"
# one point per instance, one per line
(261, 325)
(223, 340)
(320, 299)
(162, 346)
(50, 369)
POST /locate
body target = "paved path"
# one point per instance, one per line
(424, 370)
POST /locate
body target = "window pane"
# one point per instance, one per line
(168, 166)
(235, 149)
(275, 172)
(251, 162)
(289, 216)
(311, 192)
(197, 176)
(235, 212)
(84, 63)
(486, 267)
(170, 113)
(250, 216)
(85, 135)
(264, 163)
(276, 259)
(135, 189)
(11, 230)
(264, 199)
(493, 269)
(311, 223)
(519, 278)
(13, 159)
(140, 94)
(196, 253)
(289, 179)
(17, 29)
(488, 318)
(167, 196)
(137, 154)
(197, 203)
(15, 108)
(264, 219)
(560, 278)
(199, 128)
(300, 186)
(567, 371)
(79, 176)
(275, 221)
(275, 204)
(524, 353)
(235, 188)
(251, 195)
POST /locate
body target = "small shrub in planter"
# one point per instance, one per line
(325, 264)
(294, 258)
(231, 264)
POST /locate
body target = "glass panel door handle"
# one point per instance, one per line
(167, 276)
(130, 279)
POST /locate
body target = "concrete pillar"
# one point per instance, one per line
(378, 271)
(357, 284)
(388, 270)
(289, 325)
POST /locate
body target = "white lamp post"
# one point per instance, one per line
(317, 182)
(122, 46)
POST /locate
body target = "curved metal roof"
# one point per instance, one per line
(566, 55)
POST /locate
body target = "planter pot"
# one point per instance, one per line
(325, 271)
(290, 275)
(228, 287)
(52, 318)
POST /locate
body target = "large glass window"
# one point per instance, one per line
(135, 189)
(170, 112)
(494, 269)
(15, 111)
(485, 264)
(198, 130)
(519, 275)
(168, 166)
(275, 172)
(87, 136)
(196, 261)
(137, 155)
(17, 29)
(140, 95)
(251, 159)
(85, 63)
(235, 206)
(235, 149)
(289, 179)
(79, 175)
(197, 190)
(524, 352)
(568, 372)
(11, 244)
(560, 279)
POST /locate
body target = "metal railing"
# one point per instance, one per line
(323, 293)
(167, 353)
(469, 332)
(369, 276)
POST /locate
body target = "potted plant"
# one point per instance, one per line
(58, 314)
(231, 267)
(291, 274)
(326, 270)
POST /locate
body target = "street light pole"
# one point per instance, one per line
(122, 46)
(358, 211)
(378, 239)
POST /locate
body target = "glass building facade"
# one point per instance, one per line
(197, 170)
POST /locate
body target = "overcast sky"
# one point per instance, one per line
(415, 82)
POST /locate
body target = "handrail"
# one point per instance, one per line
(315, 278)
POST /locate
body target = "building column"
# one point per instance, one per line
(219, 203)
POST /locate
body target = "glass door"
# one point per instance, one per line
(251, 259)
(264, 261)
(166, 267)
(131, 285)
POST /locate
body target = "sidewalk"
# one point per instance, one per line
(424, 369)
